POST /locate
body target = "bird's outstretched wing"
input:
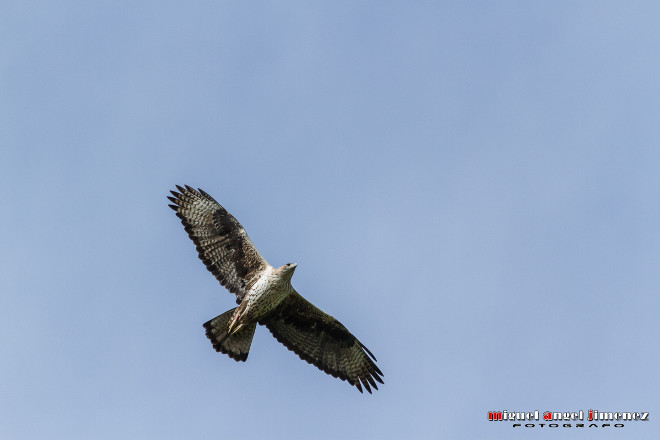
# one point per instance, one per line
(321, 340)
(221, 241)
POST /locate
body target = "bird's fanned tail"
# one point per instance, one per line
(235, 345)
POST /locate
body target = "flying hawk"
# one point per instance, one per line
(265, 296)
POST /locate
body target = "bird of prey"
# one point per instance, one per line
(265, 296)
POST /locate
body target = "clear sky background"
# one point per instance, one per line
(472, 188)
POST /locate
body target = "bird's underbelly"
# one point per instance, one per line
(265, 296)
(262, 303)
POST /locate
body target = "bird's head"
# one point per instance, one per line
(288, 269)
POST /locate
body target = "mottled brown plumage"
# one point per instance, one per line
(221, 241)
(265, 296)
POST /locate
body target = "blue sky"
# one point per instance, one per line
(472, 188)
